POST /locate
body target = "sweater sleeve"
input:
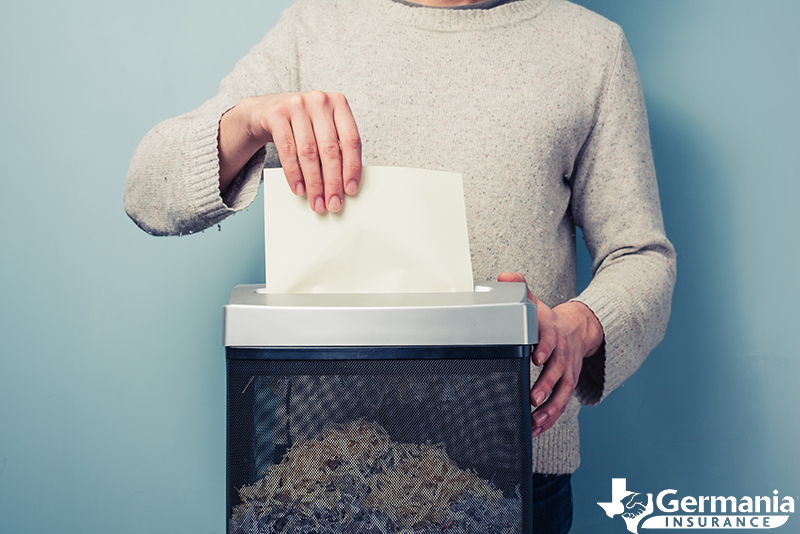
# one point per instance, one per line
(615, 202)
(172, 185)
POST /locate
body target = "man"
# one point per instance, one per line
(536, 102)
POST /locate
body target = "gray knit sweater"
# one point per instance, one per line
(536, 102)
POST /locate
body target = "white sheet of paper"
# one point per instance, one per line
(405, 231)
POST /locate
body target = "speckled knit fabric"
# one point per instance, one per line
(536, 102)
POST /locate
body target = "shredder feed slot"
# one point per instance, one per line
(494, 314)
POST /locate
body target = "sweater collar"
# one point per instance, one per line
(455, 20)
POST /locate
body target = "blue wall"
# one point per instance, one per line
(716, 408)
(111, 373)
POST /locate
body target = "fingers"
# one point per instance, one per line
(319, 146)
(548, 413)
(560, 356)
(308, 157)
(510, 277)
(548, 335)
(350, 144)
(283, 137)
(517, 277)
(553, 388)
(559, 352)
(548, 378)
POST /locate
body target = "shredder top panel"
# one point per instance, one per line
(494, 314)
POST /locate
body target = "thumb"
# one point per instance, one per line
(517, 277)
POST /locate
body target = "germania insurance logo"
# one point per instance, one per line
(696, 512)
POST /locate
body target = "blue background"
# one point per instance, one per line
(112, 389)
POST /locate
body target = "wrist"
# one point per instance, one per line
(236, 142)
(239, 120)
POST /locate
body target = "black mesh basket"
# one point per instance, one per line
(382, 440)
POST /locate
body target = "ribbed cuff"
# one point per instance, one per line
(557, 451)
(202, 194)
(244, 188)
(604, 372)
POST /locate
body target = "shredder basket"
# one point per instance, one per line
(378, 440)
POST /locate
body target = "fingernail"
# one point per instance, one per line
(351, 188)
(536, 431)
(538, 358)
(335, 203)
(538, 397)
(539, 418)
(319, 205)
(299, 189)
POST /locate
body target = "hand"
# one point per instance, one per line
(316, 137)
(635, 505)
(568, 333)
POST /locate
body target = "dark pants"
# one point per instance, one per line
(552, 504)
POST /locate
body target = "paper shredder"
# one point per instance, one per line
(379, 413)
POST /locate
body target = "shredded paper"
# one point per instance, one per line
(353, 479)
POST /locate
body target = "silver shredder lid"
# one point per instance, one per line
(494, 314)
